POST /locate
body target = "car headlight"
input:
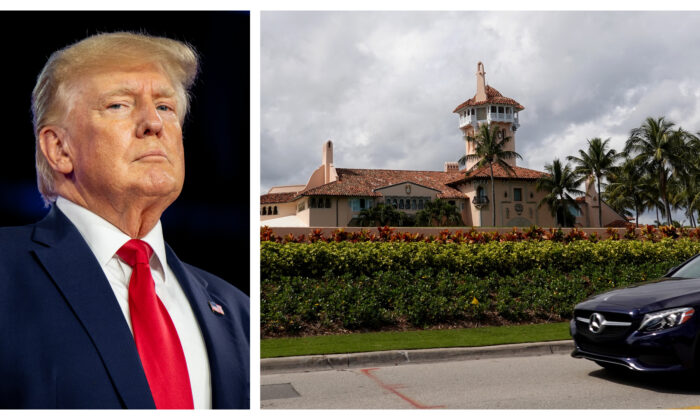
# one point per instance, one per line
(657, 321)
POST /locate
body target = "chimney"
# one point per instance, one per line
(451, 167)
(327, 161)
(480, 82)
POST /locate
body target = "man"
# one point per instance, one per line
(96, 311)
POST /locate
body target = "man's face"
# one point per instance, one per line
(125, 137)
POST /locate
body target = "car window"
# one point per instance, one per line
(690, 270)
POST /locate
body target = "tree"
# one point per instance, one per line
(380, 215)
(439, 213)
(560, 184)
(630, 187)
(658, 150)
(489, 150)
(598, 162)
(687, 177)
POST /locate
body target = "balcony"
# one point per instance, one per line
(480, 201)
(511, 117)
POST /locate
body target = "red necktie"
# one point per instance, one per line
(156, 338)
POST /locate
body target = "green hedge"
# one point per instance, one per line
(319, 287)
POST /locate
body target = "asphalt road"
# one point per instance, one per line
(555, 381)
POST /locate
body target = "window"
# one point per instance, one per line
(401, 204)
(500, 110)
(274, 210)
(517, 194)
(312, 203)
(508, 110)
(420, 204)
(395, 204)
(264, 211)
(574, 211)
(362, 203)
(328, 202)
(413, 204)
(480, 192)
(493, 109)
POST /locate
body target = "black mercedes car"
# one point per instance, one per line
(651, 326)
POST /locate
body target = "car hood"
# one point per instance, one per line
(648, 296)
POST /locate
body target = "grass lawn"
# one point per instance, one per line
(407, 340)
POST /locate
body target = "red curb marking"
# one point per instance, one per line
(393, 389)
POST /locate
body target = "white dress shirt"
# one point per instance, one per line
(104, 239)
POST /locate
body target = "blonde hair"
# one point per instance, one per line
(120, 50)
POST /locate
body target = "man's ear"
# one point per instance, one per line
(56, 149)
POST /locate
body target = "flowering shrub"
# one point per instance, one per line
(353, 286)
(472, 236)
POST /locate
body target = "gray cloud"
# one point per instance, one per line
(382, 85)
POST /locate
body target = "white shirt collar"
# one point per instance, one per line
(105, 239)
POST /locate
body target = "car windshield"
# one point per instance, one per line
(690, 270)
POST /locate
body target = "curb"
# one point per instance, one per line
(402, 357)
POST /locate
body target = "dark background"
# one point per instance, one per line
(208, 226)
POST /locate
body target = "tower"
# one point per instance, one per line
(488, 106)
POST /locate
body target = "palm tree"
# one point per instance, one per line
(560, 184)
(658, 149)
(439, 213)
(597, 162)
(688, 176)
(489, 150)
(629, 187)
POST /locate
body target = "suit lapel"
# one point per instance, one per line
(225, 362)
(79, 277)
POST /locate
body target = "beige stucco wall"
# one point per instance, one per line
(283, 209)
(398, 191)
(510, 146)
(506, 212)
(286, 189)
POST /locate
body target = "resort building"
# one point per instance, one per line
(334, 197)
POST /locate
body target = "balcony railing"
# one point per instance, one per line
(480, 201)
(490, 116)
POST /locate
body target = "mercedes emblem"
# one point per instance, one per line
(597, 323)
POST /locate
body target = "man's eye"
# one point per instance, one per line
(164, 108)
(115, 106)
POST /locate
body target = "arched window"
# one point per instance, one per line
(480, 192)
(395, 204)
(401, 204)
(312, 203)
(413, 204)
(274, 210)
(420, 204)
(264, 211)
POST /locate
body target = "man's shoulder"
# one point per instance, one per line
(13, 236)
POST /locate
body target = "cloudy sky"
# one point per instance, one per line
(382, 85)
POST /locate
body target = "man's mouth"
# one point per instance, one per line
(153, 156)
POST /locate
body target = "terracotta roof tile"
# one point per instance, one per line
(492, 97)
(501, 173)
(364, 182)
(277, 198)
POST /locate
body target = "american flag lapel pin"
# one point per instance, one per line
(216, 308)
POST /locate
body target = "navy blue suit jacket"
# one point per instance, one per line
(64, 342)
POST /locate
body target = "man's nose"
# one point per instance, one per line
(150, 122)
